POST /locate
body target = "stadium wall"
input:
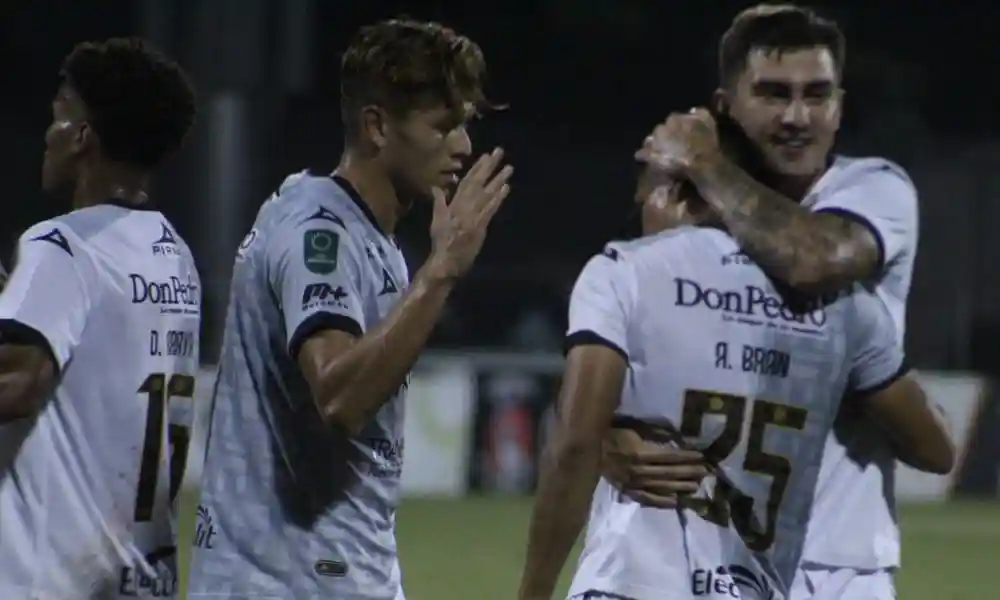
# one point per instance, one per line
(477, 421)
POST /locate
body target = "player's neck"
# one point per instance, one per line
(375, 188)
(98, 186)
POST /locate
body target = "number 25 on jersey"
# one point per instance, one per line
(726, 502)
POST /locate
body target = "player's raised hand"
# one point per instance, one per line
(458, 227)
(679, 142)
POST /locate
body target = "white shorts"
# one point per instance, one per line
(817, 583)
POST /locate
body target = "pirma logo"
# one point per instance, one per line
(167, 244)
(750, 302)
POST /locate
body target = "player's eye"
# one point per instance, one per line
(818, 92)
(771, 90)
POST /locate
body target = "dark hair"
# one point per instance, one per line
(779, 27)
(140, 103)
(401, 64)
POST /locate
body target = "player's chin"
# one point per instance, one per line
(50, 183)
(800, 167)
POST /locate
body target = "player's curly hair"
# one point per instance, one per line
(780, 27)
(403, 64)
(140, 103)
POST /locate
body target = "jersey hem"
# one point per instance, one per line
(18, 332)
(631, 591)
(320, 322)
(896, 376)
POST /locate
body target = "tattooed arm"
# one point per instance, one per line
(815, 252)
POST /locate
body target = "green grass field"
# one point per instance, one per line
(472, 548)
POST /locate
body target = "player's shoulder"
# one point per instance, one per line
(678, 242)
(70, 232)
(306, 200)
(862, 169)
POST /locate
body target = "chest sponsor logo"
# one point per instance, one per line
(172, 295)
(750, 305)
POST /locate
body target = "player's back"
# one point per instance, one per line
(85, 499)
(733, 368)
(290, 506)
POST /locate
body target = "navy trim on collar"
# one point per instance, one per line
(359, 201)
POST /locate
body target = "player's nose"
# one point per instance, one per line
(460, 143)
(796, 113)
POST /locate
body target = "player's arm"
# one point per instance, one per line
(847, 239)
(351, 372)
(916, 427)
(591, 390)
(43, 311)
(891, 396)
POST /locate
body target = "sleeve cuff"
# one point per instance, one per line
(902, 371)
(16, 332)
(587, 337)
(864, 222)
(320, 322)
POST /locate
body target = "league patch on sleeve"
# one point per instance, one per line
(319, 251)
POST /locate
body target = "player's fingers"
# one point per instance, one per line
(666, 455)
(440, 203)
(701, 113)
(652, 500)
(485, 166)
(496, 201)
(498, 180)
(473, 174)
(679, 475)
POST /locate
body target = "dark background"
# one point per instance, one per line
(585, 80)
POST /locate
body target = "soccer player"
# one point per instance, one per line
(99, 327)
(673, 336)
(302, 473)
(816, 222)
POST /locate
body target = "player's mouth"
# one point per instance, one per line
(791, 143)
(450, 177)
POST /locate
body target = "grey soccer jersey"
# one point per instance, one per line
(751, 377)
(290, 508)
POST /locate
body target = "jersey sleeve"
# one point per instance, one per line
(601, 304)
(316, 272)
(47, 297)
(878, 358)
(884, 201)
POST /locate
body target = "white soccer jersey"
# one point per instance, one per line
(752, 378)
(851, 497)
(113, 294)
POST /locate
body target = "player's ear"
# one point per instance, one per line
(374, 123)
(720, 101)
(84, 138)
